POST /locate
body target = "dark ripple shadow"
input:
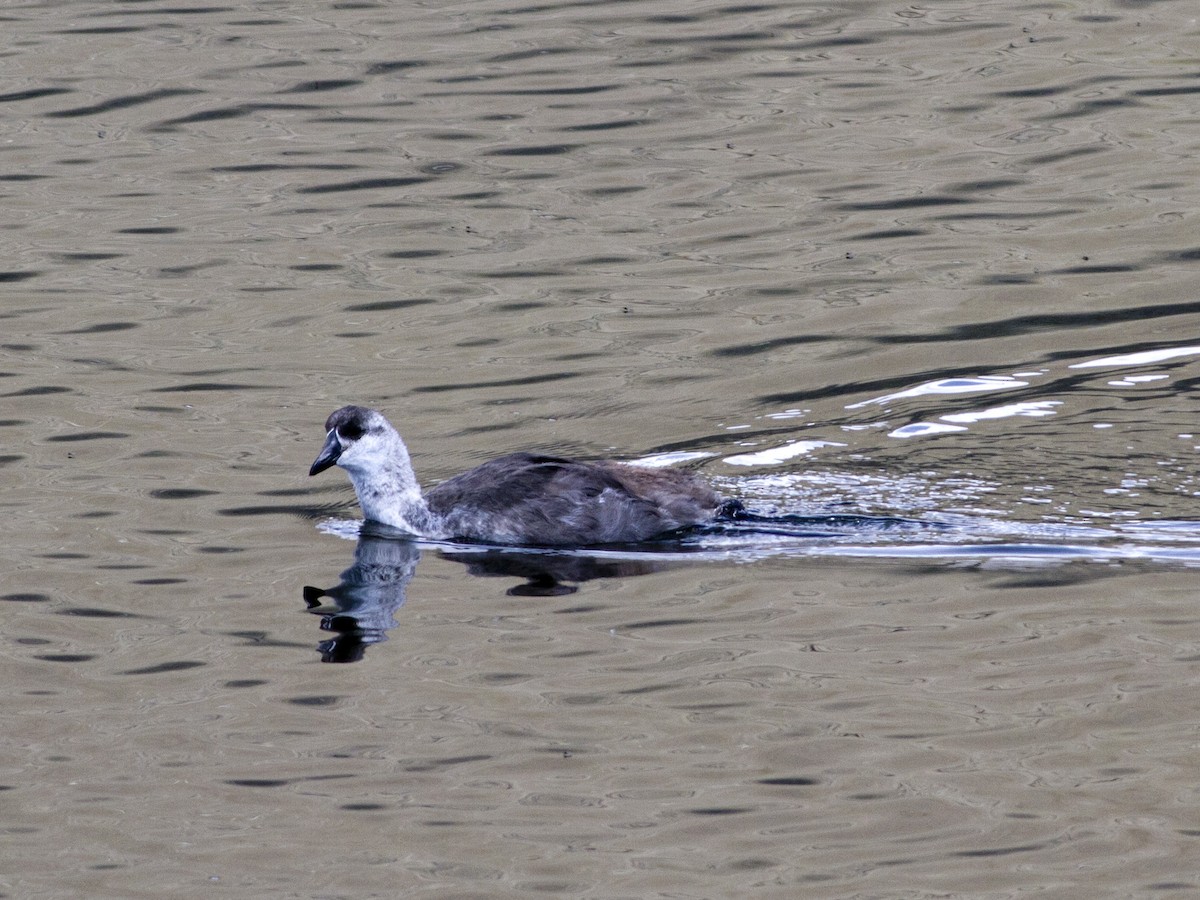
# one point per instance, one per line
(123, 102)
(161, 668)
(1089, 108)
(94, 612)
(387, 68)
(103, 328)
(85, 436)
(223, 113)
(254, 168)
(363, 184)
(282, 509)
(900, 203)
(318, 86)
(540, 150)
(609, 125)
(180, 493)
(34, 94)
(504, 382)
(40, 391)
(204, 386)
(522, 92)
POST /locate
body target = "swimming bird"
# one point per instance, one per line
(523, 498)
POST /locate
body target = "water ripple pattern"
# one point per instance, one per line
(916, 282)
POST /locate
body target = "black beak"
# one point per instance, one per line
(329, 454)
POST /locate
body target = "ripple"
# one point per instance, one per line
(123, 102)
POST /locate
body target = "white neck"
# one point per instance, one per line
(388, 491)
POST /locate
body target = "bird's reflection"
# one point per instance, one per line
(549, 573)
(361, 608)
(367, 597)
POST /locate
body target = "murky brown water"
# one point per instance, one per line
(955, 244)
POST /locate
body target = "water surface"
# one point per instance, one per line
(855, 262)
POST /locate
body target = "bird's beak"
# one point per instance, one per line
(329, 454)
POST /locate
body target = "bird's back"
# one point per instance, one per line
(530, 498)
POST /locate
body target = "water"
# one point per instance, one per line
(917, 284)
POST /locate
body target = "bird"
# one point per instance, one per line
(522, 499)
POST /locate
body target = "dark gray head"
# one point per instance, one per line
(356, 437)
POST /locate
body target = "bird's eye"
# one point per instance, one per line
(351, 431)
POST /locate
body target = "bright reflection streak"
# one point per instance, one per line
(661, 460)
(778, 454)
(968, 385)
(921, 429)
(1137, 359)
(1032, 408)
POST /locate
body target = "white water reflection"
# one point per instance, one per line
(1030, 409)
(831, 513)
(662, 460)
(1143, 358)
(924, 429)
(954, 538)
(776, 455)
(944, 386)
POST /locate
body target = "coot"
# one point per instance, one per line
(523, 498)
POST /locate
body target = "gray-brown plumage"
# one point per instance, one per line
(523, 498)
